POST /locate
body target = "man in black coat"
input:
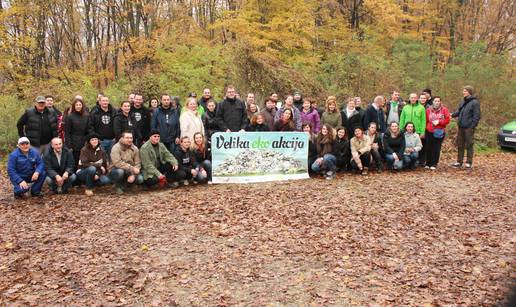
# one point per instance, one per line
(351, 117)
(102, 118)
(468, 118)
(142, 118)
(38, 124)
(231, 113)
(59, 165)
(374, 113)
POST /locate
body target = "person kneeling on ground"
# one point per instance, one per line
(186, 160)
(341, 150)
(59, 165)
(360, 151)
(26, 170)
(92, 167)
(325, 161)
(158, 164)
(412, 146)
(394, 147)
(125, 158)
(375, 140)
(202, 154)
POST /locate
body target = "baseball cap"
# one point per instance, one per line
(40, 99)
(23, 140)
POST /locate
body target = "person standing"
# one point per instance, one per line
(102, 118)
(59, 166)
(394, 108)
(77, 127)
(142, 118)
(231, 113)
(49, 103)
(125, 122)
(374, 113)
(429, 99)
(331, 115)
(269, 113)
(310, 115)
(206, 96)
(209, 119)
(166, 120)
(190, 121)
(351, 117)
(26, 170)
(298, 100)
(468, 117)
(438, 117)
(415, 113)
(295, 116)
(38, 124)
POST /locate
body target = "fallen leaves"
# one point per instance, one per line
(416, 238)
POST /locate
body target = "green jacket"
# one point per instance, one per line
(148, 158)
(415, 114)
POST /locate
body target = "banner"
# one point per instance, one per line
(242, 157)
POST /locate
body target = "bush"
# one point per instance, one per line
(11, 109)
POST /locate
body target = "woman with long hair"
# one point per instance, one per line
(257, 124)
(341, 149)
(394, 146)
(202, 153)
(286, 122)
(326, 161)
(93, 166)
(76, 128)
(190, 121)
(331, 115)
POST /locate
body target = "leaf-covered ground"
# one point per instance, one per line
(411, 238)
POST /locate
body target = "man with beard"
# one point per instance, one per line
(142, 118)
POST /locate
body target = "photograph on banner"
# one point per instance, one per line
(242, 157)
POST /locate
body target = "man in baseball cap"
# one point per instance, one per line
(38, 124)
(26, 170)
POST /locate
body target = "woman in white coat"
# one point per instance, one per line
(190, 121)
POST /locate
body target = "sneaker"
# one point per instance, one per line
(173, 185)
(185, 182)
(467, 165)
(433, 168)
(59, 190)
(330, 175)
(427, 167)
(88, 192)
(209, 182)
(119, 190)
(364, 171)
(457, 164)
(195, 182)
(37, 194)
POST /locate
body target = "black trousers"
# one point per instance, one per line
(365, 158)
(433, 149)
(422, 153)
(166, 169)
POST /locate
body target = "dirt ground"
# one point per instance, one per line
(413, 238)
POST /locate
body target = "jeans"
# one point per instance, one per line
(171, 146)
(34, 187)
(66, 184)
(410, 160)
(392, 164)
(106, 145)
(206, 165)
(422, 152)
(433, 150)
(329, 163)
(465, 140)
(119, 177)
(87, 176)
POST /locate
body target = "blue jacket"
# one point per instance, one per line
(166, 121)
(20, 166)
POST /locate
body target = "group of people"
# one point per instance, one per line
(168, 144)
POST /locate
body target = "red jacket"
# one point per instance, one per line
(441, 114)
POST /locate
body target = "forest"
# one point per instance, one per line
(319, 47)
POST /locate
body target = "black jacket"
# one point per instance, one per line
(185, 159)
(209, 120)
(388, 108)
(102, 122)
(373, 115)
(77, 127)
(232, 115)
(350, 123)
(394, 145)
(258, 128)
(142, 121)
(200, 157)
(468, 112)
(54, 168)
(342, 150)
(166, 121)
(124, 123)
(38, 127)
